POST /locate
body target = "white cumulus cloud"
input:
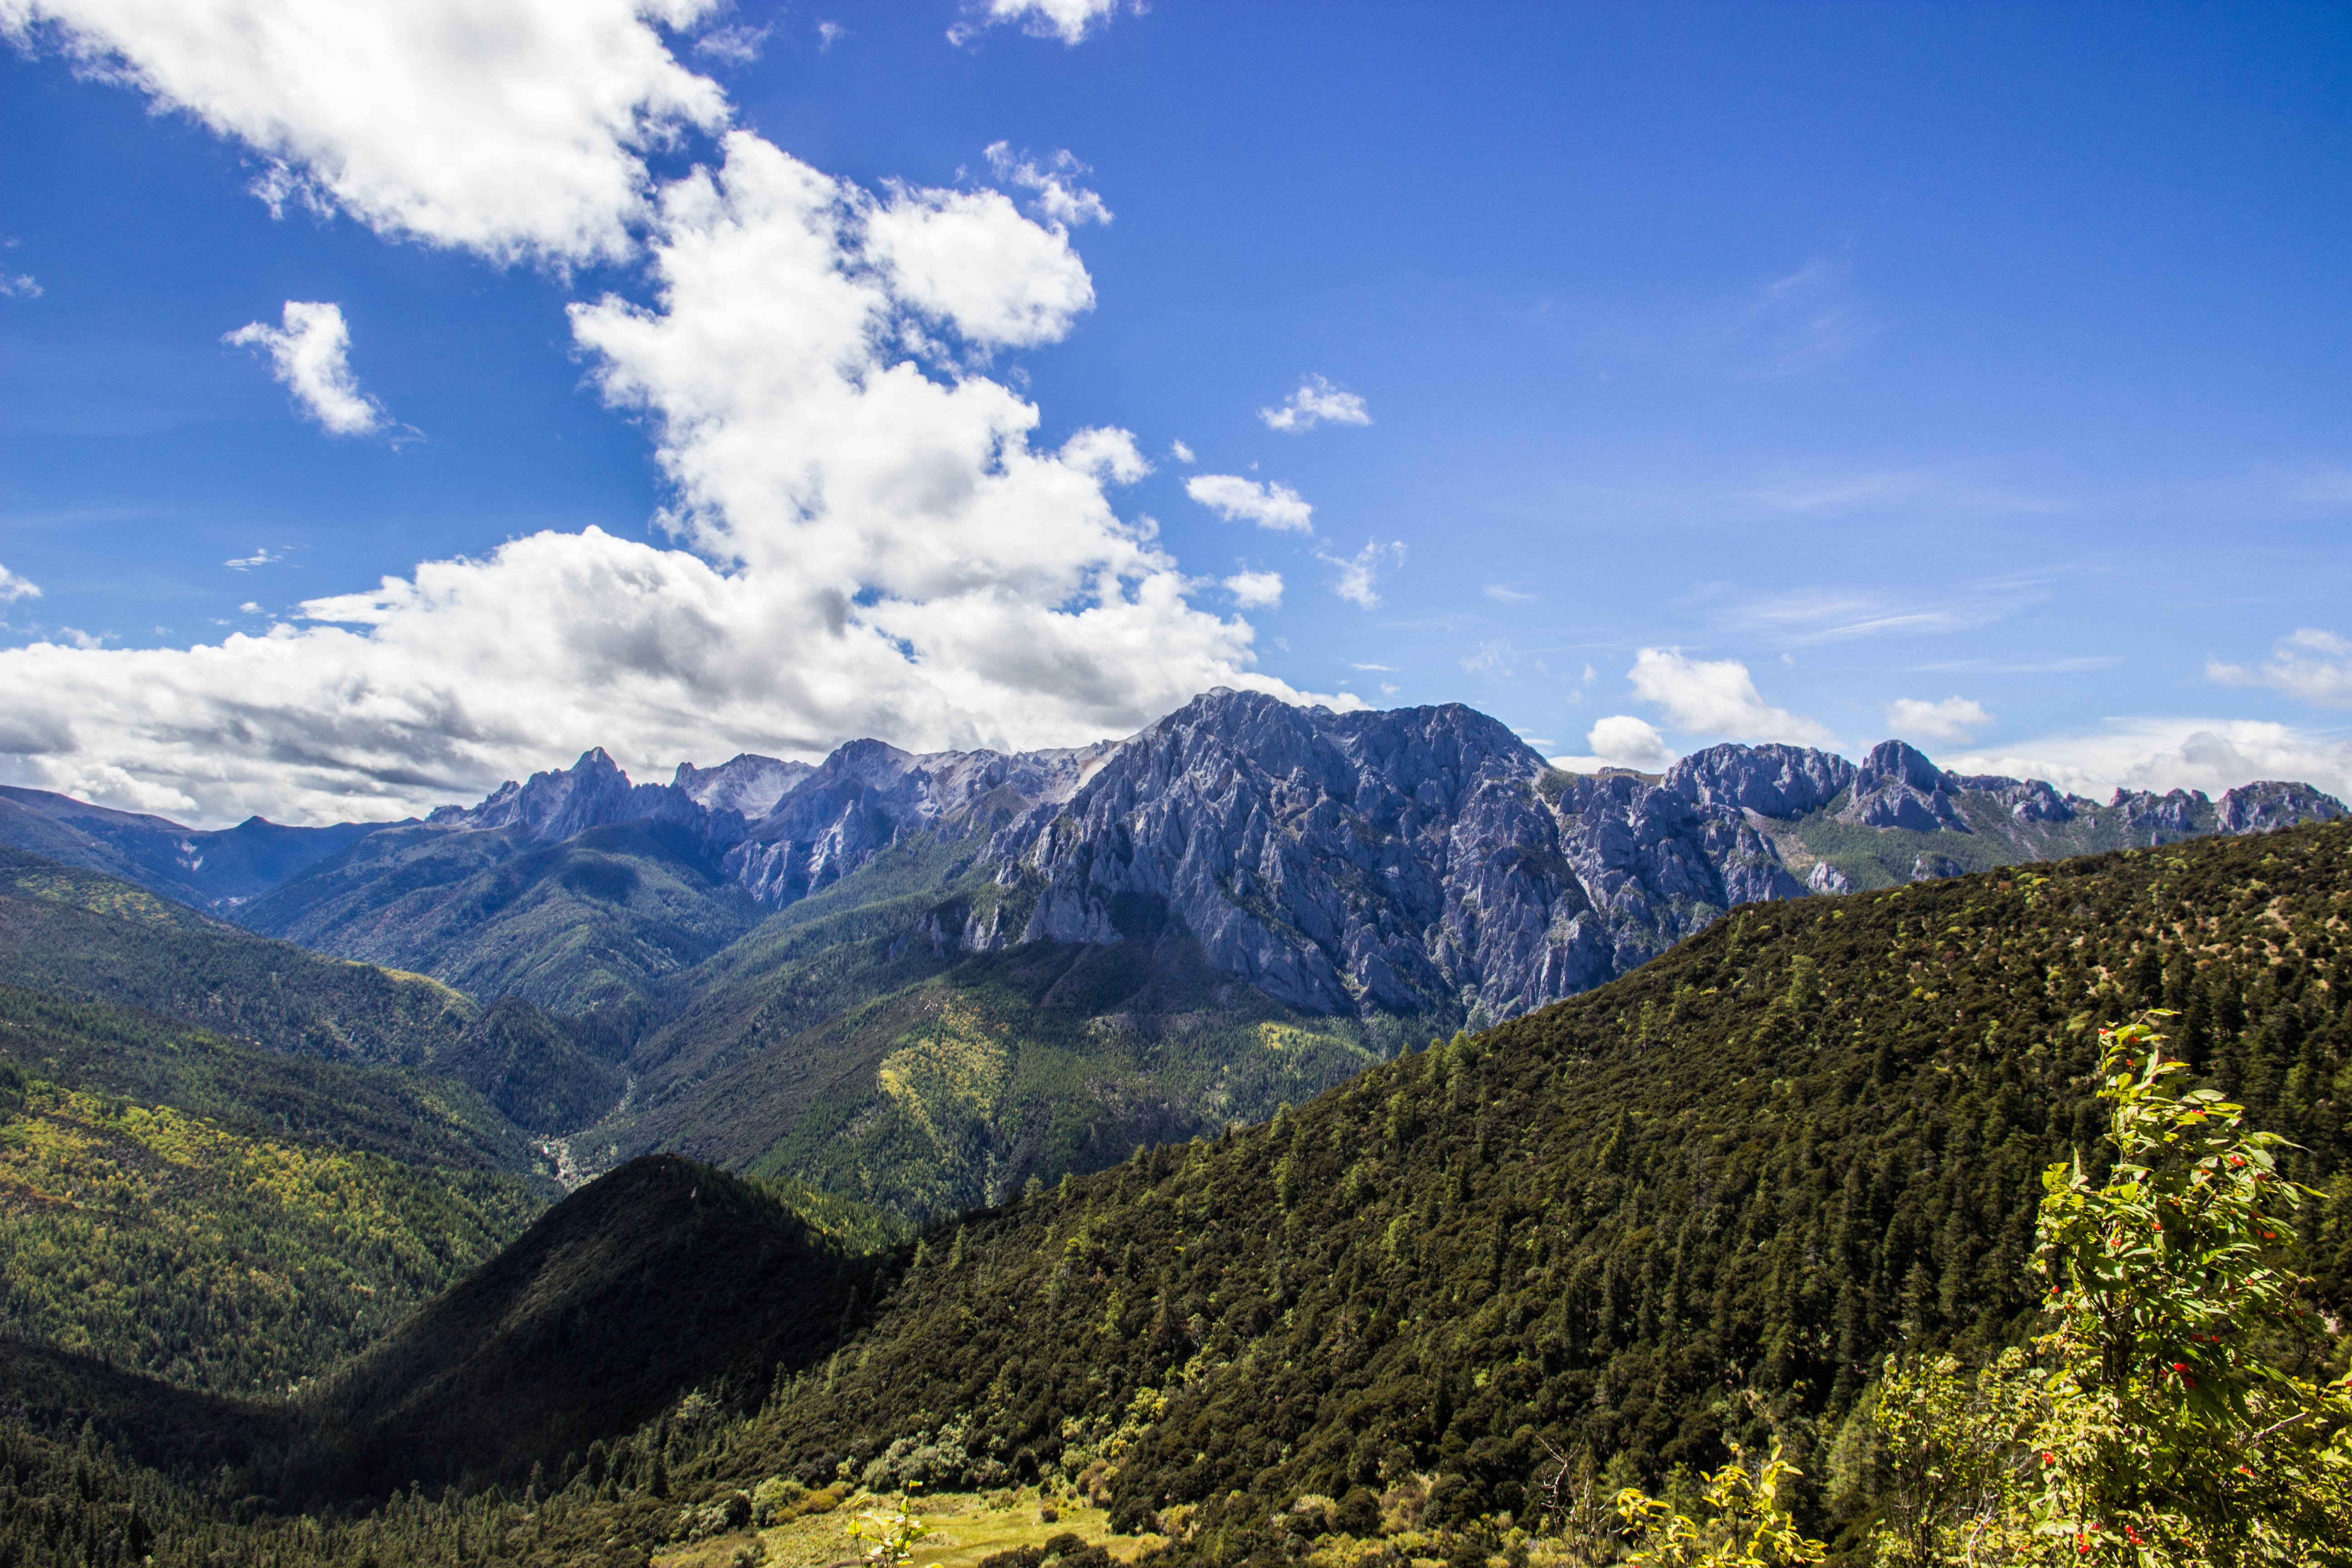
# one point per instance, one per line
(1717, 696)
(311, 356)
(1237, 499)
(1316, 402)
(515, 130)
(868, 541)
(2164, 753)
(1058, 198)
(13, 587)
(1955, 719)
(1256, 590)
(1620, 741)
(2314, 665)
(1068, 20)
(968, 260)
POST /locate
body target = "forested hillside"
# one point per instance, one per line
(1690, 1209)
(839, 1045)
(175, 1203)
(96, 939)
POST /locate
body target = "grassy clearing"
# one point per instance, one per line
(966, 1527)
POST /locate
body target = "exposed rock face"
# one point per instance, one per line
(1403, 860)
(1771, 780)
(1419, 861)
(1897, 787)
(748, 786)
(2260, 807)
(552, 807)
(865, 796)
(2028, 800)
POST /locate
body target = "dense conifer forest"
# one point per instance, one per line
(1615, 1239)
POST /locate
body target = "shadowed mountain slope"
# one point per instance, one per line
(662, 1277)
(593, 919)
(214, 869)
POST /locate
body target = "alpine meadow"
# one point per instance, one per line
(1074, 784)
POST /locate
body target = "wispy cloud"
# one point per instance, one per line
(2027, 666)
(829, 34)
(1495, 658)
(1237, 499)
(1359, 573)
(736, 46)
(1801, 322)
(260, 557)
(19, 285)
(1808, 616)
(2311, 664)
(1059, 200)
(13, 587)
(311, 356)
(1316, 401)
(1501, 595)
(1181, 452)
(1955, 719)
(1383, 669)
(1830, 494)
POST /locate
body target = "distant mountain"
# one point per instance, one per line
(215, 870)
(594, 916)
(1419, 862)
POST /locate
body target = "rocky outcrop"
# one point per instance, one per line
(1897, 787)
(867, 795)
(1404, 861)
(552, 807)
(748, 786)
(2026, 800)
(2262, 807)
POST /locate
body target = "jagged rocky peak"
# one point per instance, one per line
(2162, 818)
(1771, 780)
(868, 794)
(593, 792)
(2027, 800)
(1401, 860)
(2261, 807)
(747, 784)
(1896, 786)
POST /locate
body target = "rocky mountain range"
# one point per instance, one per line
(1420, 861)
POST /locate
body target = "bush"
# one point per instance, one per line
(2151, 1426)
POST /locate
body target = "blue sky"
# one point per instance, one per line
(1750, 372)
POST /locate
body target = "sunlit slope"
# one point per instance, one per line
(843, 1045)
(175, 1203)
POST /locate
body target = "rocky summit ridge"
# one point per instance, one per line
(1420, 861)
